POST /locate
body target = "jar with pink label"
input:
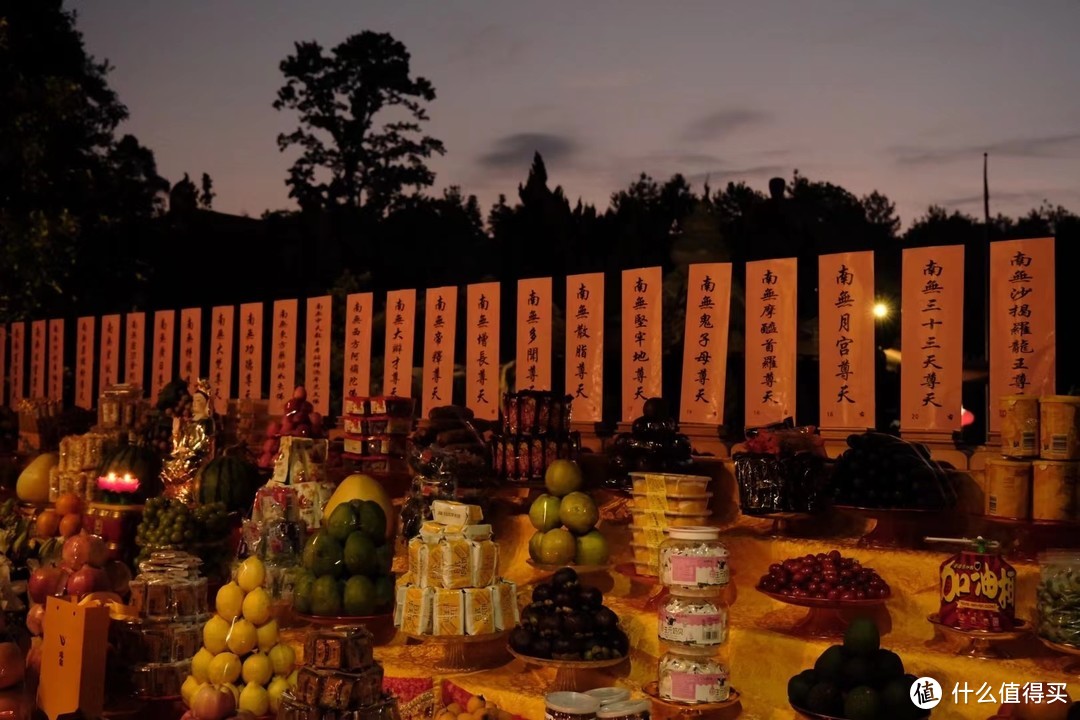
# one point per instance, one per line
(694, 561)
(692, 621)
(691, 677)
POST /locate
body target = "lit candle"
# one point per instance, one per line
(115, 483)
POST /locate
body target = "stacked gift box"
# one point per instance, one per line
(81, 459)
(377, 432)
(534, 432)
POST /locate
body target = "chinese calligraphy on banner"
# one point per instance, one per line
(135, 349)
(585, 345)
(642, 339)
(846, 340)
(56, 360)
(18, 361)
(283, 355)
(482, 350)
(251, 351)
(357, 376)
(37, 359)
(161, 373)
(533, 358)
(400, 335)
(440, 316)
(771, 288)
(1022, 316)
(191, 346)
(705, 344)
(317, 353)
(931, 338)
(221, 352)
(84, 363)
(110, 352)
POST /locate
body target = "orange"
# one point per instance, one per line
(69, 504)
(48, 522)
(70, 525)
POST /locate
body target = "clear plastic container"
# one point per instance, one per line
(674, 503)
(1058, 597)
(692, 621)
(694, 561)
(625, 710)
(693, 677)
(609, 695)
(570, 706)
(669, 483)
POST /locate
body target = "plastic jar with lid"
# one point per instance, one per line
(692, 620)
(692, 677)
(693, 560)
(570, 706)
(1058, 597)
(625, 710)
(609, 695)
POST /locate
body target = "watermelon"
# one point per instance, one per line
(231, 480)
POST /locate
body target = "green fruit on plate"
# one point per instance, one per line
(592, 549)
(578, 512)
(359, 555)
(343, 522)
(544, 513)
(563, 477)
(861, 637)
(534, 546)
(862, 703)
(384, 594)
(325, 596)
(384, 559)
(359, 596)
(323, 555)
(558, 547)
(372, 520)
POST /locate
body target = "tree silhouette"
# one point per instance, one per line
(206, 192)
(347, 158)
(71, 193)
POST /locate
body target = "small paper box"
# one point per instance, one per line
(73, 659)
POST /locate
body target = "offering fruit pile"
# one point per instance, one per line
(568, 621)
(565, 520)
(858, 680)
(825, 576)
(173, 525)
(63, 520)
(652, 445)
(300, 420)
(241, 653)
(346, 564)
(882, 471)
(475, 708)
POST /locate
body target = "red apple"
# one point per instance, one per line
(46, 581)
(213, 703)
(86, 580)
(98, 552)
(12, 665)
(76, 551)
(35, 620)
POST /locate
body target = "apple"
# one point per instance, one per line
(300, 393)
(46, 581)
(87, 579)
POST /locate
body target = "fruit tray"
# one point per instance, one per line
(579, 569)
(982, 644)
(569, 675)
(825, 618)
(454, 656)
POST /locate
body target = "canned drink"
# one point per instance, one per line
(1019, 425)
(1053, 489)
(1059, 427)
(1008, 488)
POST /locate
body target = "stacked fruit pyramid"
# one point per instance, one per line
(241, 651)
(660, 501)
(565, 520)
(452, 587)
(340, 680)
(346, 564)
(859, 680)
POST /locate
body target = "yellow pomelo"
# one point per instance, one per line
(257, 669)
(277, 686)
(33, 483)
(242, 637)
(215, 632)
(362, 487)
(250, 574)
(267, 635)
(225, 668)
(190, 687)
(229, 601)
(255, 700)
(200, 665)
(283, 658)
(256, 606)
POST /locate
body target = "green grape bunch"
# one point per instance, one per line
(173, 525)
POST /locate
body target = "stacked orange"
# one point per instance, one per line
(64, 519)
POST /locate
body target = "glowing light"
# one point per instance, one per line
(881, 310)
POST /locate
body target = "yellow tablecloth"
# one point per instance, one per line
(762, 655)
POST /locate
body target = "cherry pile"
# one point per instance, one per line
(825, 576)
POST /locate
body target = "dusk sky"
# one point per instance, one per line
(900, 96)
